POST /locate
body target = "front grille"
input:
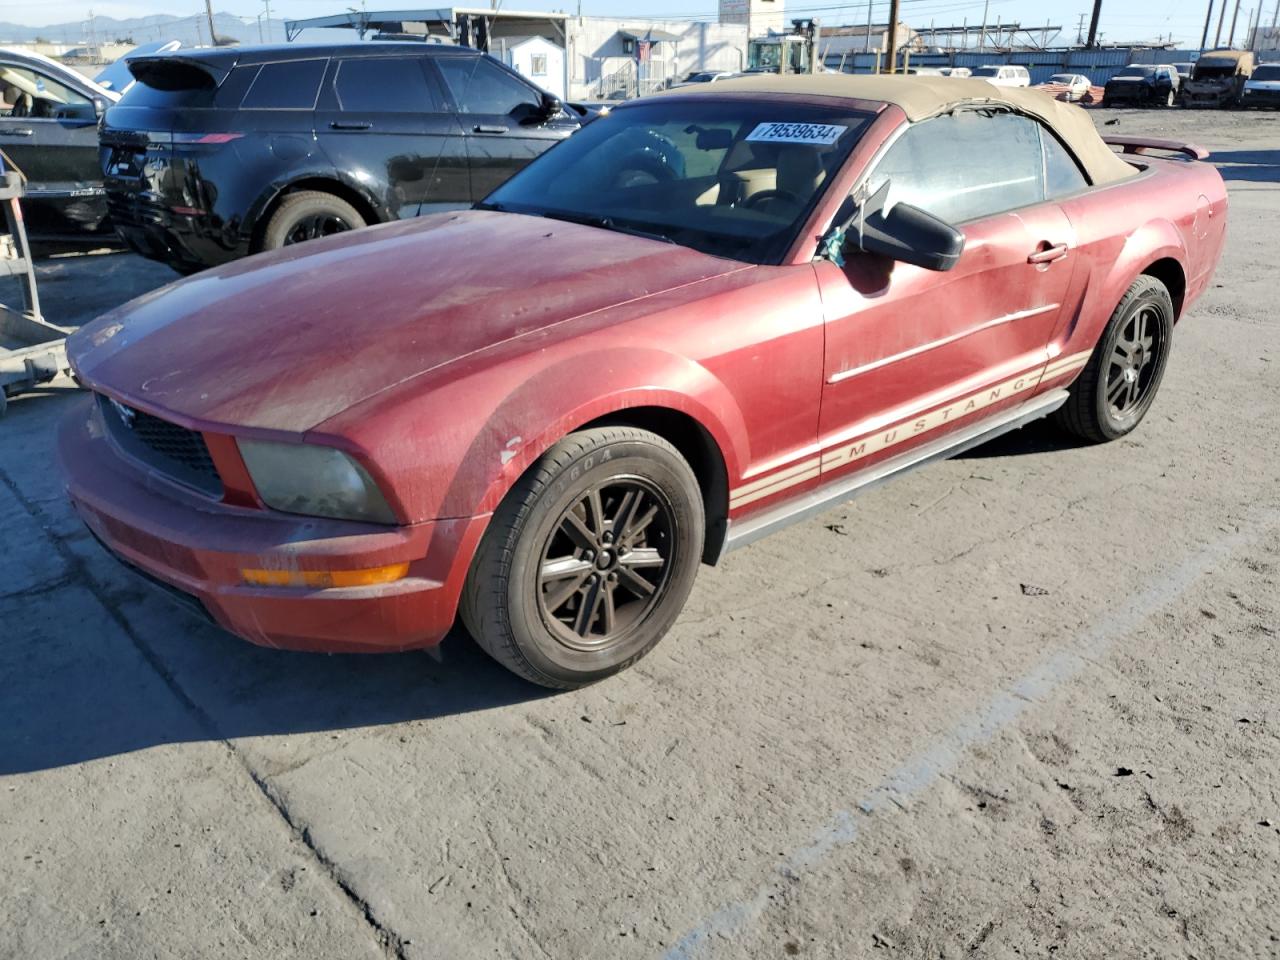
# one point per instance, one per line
(167, 448)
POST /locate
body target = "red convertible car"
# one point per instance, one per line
(707, 315)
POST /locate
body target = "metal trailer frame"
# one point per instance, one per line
(32, 351)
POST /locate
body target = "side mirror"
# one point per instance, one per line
(550, 107)
(910, 235)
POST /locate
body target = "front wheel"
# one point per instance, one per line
(1116, 388)
(588, 560)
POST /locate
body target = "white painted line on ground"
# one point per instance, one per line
(924, 769)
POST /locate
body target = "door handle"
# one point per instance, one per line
(21, 132)
(1048, 254)
(489, 128)
(349, 125)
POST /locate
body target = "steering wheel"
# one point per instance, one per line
(763, 195)
(642, 172)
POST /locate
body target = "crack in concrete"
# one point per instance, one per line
(390, 942)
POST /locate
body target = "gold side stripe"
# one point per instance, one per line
(739, 500)
(770, 480)
(903, 431)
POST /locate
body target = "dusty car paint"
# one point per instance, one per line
(801, 375)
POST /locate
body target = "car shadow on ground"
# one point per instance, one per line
(1039, 436)
(1254, 165)
(82, 683)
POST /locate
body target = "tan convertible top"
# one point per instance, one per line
(921, 97)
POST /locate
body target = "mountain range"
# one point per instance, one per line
(191, 30)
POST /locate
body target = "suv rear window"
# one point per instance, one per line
(385, 85)
(285, 86)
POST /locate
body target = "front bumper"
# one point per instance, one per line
(197, 546)
(1261, 98)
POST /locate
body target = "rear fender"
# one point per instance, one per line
(1154, 241)
(253, 221)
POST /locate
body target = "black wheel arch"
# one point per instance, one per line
(699, 448)
(1169, 272)
(256, 221)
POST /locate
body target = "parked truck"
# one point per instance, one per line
(1218, 79)
(794, 52)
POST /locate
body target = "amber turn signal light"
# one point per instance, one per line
(320, 579)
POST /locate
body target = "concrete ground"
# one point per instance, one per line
(1023, 703)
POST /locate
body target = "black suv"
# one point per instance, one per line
(215, 154)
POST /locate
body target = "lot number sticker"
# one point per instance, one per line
(822, 134)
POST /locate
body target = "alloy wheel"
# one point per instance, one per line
(315, 226)
(1133, 362)
(606, 563)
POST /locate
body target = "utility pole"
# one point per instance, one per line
(1231, 40)
(1093, 24)
(982, 37)
(213, 34)
(1080, 29)
(267, 3)
(1208, 16)
(1217, 37)
(893, 36)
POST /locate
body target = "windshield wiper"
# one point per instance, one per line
(605, 223)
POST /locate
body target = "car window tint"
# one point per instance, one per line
(285, 86)
(385, 85)
(1062, 175)
(965, 166)
(25, 93)
(481, 86)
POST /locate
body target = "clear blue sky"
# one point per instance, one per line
(1122, 20)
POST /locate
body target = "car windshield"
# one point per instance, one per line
(986, 72)
(728, 177)
(1062, 78)
(1136, 72)
(1267, 73)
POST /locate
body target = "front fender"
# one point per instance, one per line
(455, 447)
(567, 394)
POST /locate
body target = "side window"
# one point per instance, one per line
(965, 166)
(481, 86)
(385, 85)
(285, 86)
(1062, 174)
(25, 93)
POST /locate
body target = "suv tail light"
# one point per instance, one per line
(206, 137)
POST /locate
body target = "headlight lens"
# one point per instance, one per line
(313, 480)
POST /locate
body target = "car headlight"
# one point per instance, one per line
(313, 480)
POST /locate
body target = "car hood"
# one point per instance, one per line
(286, 340)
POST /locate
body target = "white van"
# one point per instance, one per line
(1004, 75)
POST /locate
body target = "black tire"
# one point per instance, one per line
(1106, 104)
(308, 215)
(551, 594)
(1126, 367)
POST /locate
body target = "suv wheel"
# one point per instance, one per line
(309, 215)
(588, 561)
(1116, 388)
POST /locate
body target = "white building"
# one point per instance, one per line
(619, 57)
(758, 16)
(537, 58)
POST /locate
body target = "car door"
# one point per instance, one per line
(502, 117)
(912, 353)
(48, 130)
(383, 123)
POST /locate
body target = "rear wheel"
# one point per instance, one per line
(589, 559)
(1118, 385)
(309, 215)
